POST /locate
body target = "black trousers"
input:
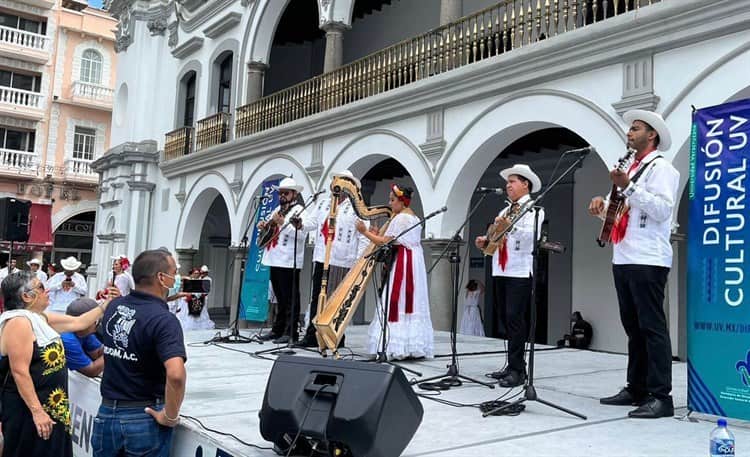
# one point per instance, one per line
(317, 277)
(640, 293)
(286, 287)
(511, 297)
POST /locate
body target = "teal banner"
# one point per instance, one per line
(254, 299)
(718, 314)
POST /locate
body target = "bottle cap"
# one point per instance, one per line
(721, 422)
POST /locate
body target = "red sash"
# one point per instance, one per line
(621, 226)
(402, 257)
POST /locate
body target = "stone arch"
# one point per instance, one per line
(66, 212)
(506, 121)
(370, 147)
(194, 66)
(199, 199)
(717, 84)
(274, 166)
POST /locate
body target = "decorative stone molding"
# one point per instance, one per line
(223, 25)
(434, 145)
(236, 184)
(315, 170)
(637, 86)
(245, 3)
(124, 31)
(112, 236)
(157, 26)
(110, 204)
(173, 37)
(188, 47)
(201, 13)
(181, 194)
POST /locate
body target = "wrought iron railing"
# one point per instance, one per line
(503, 27)
(179, 142)
(212, 130)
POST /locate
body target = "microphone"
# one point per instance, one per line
(436, 212)
(316, 194)
(490, 190)
(582, 151)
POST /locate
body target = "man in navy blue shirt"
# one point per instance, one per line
(144, 376)
(83, 350)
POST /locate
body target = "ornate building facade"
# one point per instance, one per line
(57, 73)
(213, 98)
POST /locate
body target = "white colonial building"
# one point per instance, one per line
(213, 98)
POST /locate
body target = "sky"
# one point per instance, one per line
(96, 3)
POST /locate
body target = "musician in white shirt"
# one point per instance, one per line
(512, 268)
(642, 257)
(66, 286)
(8, 270)
(347, 246)
(289, 217)
(35, 265)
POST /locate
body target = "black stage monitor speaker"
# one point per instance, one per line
(14, 219)
(338, 407)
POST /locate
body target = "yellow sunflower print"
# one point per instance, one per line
(58, 408)
(53, 356)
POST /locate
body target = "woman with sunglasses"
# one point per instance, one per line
(407, 304)
(35, 413)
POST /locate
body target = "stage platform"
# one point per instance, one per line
(225, 391)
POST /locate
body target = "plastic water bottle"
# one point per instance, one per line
(722, 440)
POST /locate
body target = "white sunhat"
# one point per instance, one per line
(34, 262)
(204, 269)
(521, 169)
(70, 264)
(655, 121)
(289, 184)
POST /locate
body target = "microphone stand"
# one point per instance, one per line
(529, 391)
(234, 335)
(288, 349)
(384, 253)
(453, 377)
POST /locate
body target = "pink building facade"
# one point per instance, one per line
(57, 73)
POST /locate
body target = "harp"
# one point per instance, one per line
(335, 312)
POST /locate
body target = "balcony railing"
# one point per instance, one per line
(23, 38)
(20, 97)
(178, 143)
(21, 162)
(79, 168)
(92, 92)
(212, 130)
(500, 28)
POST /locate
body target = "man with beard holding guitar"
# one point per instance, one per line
(278, 254)
(642, 256)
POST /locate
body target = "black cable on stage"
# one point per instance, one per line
(437, 356)
(225, 434)
(304, 418)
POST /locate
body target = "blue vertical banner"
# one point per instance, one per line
(254, 299)
(718, 296)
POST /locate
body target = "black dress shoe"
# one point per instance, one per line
(513, 379)
(500, 374)
(268, 336)
(654, 408)
(281, 340)
(308, 342)
(623, 398)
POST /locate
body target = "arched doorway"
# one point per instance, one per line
(298, 48)
(543, 151)
(213, 251)
(74, 237)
